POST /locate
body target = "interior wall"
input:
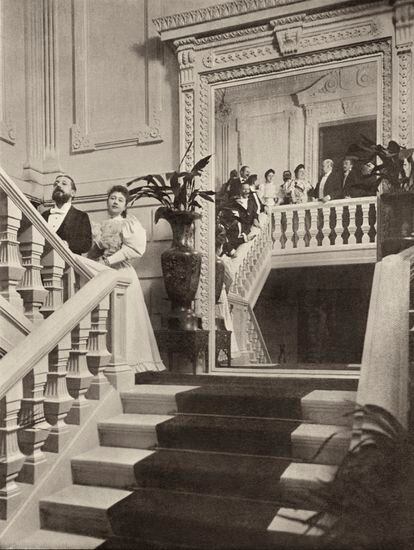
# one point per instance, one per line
(106, 73)
(317, 314)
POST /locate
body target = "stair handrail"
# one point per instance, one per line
(46, 336)
(19, 199)
(384, 379)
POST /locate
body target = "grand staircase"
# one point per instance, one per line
(196, 462)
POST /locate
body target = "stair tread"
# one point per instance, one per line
(44, 539)
(330, 396)
(314, 431)
(157, 389)
(86, 496)
(305, 471)
(130, 419)
(113, 455)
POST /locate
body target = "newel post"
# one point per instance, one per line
(118, 372)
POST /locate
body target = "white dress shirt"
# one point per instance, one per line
(322, 184)
(57, 215)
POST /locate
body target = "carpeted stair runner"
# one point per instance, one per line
(225, 474)
(214, 479)
(199, 521)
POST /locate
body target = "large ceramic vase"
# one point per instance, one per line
(181, 266)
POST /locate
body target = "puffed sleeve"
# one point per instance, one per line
(134, 242)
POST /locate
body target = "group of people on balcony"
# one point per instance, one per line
(242, 199)
(115, 242)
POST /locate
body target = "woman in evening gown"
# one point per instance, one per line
(116, 242)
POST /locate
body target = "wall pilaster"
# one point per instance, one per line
(41, 90)
(404, 40)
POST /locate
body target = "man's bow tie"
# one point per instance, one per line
(57, 211)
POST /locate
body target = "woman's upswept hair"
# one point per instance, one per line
(298, 167)
(124, 191)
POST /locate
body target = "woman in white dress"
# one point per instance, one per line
(116, 242)
(301, 187)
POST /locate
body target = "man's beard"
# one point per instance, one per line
(60, 197)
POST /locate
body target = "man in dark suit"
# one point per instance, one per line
(69, 223)
(329, 186)
(246, 207)
(349, 179)
(234, 187)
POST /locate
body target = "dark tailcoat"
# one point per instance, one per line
(333, 187)
(75, 230)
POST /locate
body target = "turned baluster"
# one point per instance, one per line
(313, 227)
(35, 429)
(289, 233)
(118, 372)
(365, 226)
(277, 231)
(352, 224)
(31, 288)
(11, 458)
(57, 399)
(324, 214)
(52, 274)
(11, 269)
(98, 355)
(301, 230)
(79, 377)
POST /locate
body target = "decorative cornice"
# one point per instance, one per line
(237, 36)
(347, 10)
(220, 11)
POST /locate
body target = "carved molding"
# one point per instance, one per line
(220, 11)
(239, 35)
(404, 92)
(288, 33)
(404, 24)
(189, 127)
(186, 60)
(349, 33)
(83, 138)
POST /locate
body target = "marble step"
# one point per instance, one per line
(300, 479)
(307, 440)
(50, 540)
(107, 466)
(329, 407)
(153, 398)
(290, 520)
(131, 430)
(80, 509)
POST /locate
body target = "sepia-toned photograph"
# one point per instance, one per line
(207, 274)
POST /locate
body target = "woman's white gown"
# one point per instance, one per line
(124, 240)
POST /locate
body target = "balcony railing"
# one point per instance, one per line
(319, 229)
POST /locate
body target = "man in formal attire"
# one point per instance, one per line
(349, 179)
(69, 223)
(234, 188)
(246, 208)
(329, 186)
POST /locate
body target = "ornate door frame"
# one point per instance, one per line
(228, 55)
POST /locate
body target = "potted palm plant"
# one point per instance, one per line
(181, 264)
(394, 175)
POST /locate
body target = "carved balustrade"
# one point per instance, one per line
(315, 226)
(48, 380)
